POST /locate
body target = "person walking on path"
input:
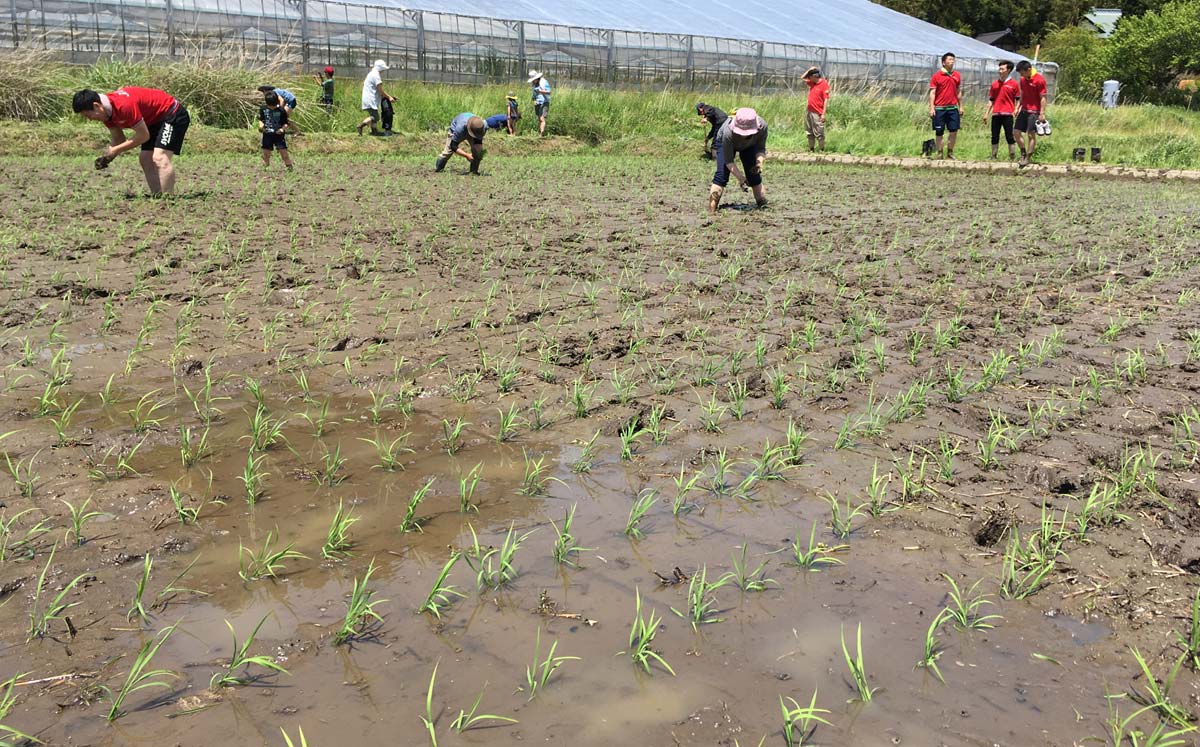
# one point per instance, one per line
(818, 97)
(372, 94)
(944, 106)
(1002, 105)
(744, 135)
(1033, 110)
(465, 127)
(326, 85)
(541, 99)
(157, 120)
(715, 118)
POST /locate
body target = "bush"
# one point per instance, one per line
(30, 87)
(1148, 53)
(1082, 62)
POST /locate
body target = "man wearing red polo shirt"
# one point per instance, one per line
(818, 96)
(1002, 104)
(1033, 109)
(944, 104)
(158, 123)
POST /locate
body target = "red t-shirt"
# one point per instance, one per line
(130, 105)
(818, 94)
(1004, 96)
(1032, 90)
(945, 88)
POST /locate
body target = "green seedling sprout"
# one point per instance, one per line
(566, 546)
(933, 649)
(10, 736)
(494, 566)
(641, 639)
(452, 435)
(361, 618)
(469, 719)
(855, 665)
(388, 452)
(538, 674)
(701, 609)
(139, 676)
(266, 562)
(440, 595)
(814, 555)
(799, 722)
(965, 605)
(80, 516)
(641, 505)
(337, 538)
(749, 580)
(410, 522)
(42, 613)
(241, 660)
(587, 456)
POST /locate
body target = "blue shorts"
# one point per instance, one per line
(946, 119)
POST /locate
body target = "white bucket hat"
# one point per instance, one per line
(534, 75)
(381, 65)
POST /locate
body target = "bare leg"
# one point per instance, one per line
(542, 126)
(166, 170)
(937, 144)
(950, 144)
(266, 157)
(150, 169)
(737, 174)
(287, 159)
(1032, 144)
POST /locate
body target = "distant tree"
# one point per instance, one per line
(1148, 53)
(1027, 18)
(1082, 60)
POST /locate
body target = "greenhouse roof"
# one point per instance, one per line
(837, 24)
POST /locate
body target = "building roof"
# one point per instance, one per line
(991, 37)
(836, 24)
(1103, 20)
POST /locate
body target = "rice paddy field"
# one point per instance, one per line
(551, 456)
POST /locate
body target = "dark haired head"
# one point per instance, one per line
(700, 107)
(84, 100)
(1023, 65)
(266, 89)
(1006, 64)
(947, 55)
(272, 99)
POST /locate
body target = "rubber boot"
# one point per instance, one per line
(441, 163)
(714, 198)
(760, 197)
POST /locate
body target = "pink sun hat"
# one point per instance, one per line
(745, 122)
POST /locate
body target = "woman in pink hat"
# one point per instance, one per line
(743, 134)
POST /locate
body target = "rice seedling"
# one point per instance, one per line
(641, 638)
(47, 402)
(629, 434)
(142, 414)
(140, 677)
(265, 431)
(711, 413)
(1100, 508)
(738, 392)
(330, 472)
(388, 452)
(536, 480)
(440, 596)
(203, 400)
(1191, 642)
(253, 477)
(536, 421)
(877, 504)
(23, 474)
(337, 538)
(10, 545)
(1157, 694)
(683, 487)
(848, 432)
(410, 522)
(965, 605)
(1186, 431)
(452, 435)
(43, 613)
(192, 447)
(956, 384)
(1121, 731)
(587, 455)
(637, 512)
(234, 674)
(319, 421)
(10, 736)
(933, 649)
(814, 555)
(302, 742)
(267, 562)
(1020, 575)
(494, 566)
(748, 580)
(855, 665)
(624, 386)
(466, 490)
(702, 607)
(380, 405)
(722, 470)
(137, 607)
(580, 397)
(799, 722)
(538, 674)
(998, 436)
(1137, 470)
(566, 546)
(795, 438)
(80, 516)
(994, 371)
(1133, 367)
(63, 422)
(506, 429)
(841, 518)
(360, 619)
(770, 465)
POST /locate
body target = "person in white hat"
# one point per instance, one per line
(744, 134)
(541, 99)
(372, 93)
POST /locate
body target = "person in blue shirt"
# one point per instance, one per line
(498, 122)
(541, 99)
(471, 129)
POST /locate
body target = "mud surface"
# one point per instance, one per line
(363, 301)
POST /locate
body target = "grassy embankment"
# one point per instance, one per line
(224, 104)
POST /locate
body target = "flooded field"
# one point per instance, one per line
(552, 456)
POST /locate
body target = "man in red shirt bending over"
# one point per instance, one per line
(1033, 109)
(944, 104)
(1002, 105)
(818, 96)
(158, 122)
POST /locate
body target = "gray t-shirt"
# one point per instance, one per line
(756, 143)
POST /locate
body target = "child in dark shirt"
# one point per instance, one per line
(273, 123)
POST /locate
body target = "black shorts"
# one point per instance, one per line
(1027, 121)
(541, 110)
(274, 141)
(168, 133)
(1002, 122)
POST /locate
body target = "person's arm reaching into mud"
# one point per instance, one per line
(119, 143)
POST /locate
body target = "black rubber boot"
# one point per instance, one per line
(441, 163)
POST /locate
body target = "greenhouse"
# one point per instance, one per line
(762, 45)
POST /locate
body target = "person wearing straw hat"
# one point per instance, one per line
(744, 135)
(468, 127)
(514, 112)
(541, 99)
(372, 93)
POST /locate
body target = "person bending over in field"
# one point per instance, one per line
(273, 122)
(1033, 109)
(743, 135)
(499, 122)
(326, 85)
(814, 120)
(715, 118)
(158, 122)
(1002, 104)
(471, 129)
(944, 105)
